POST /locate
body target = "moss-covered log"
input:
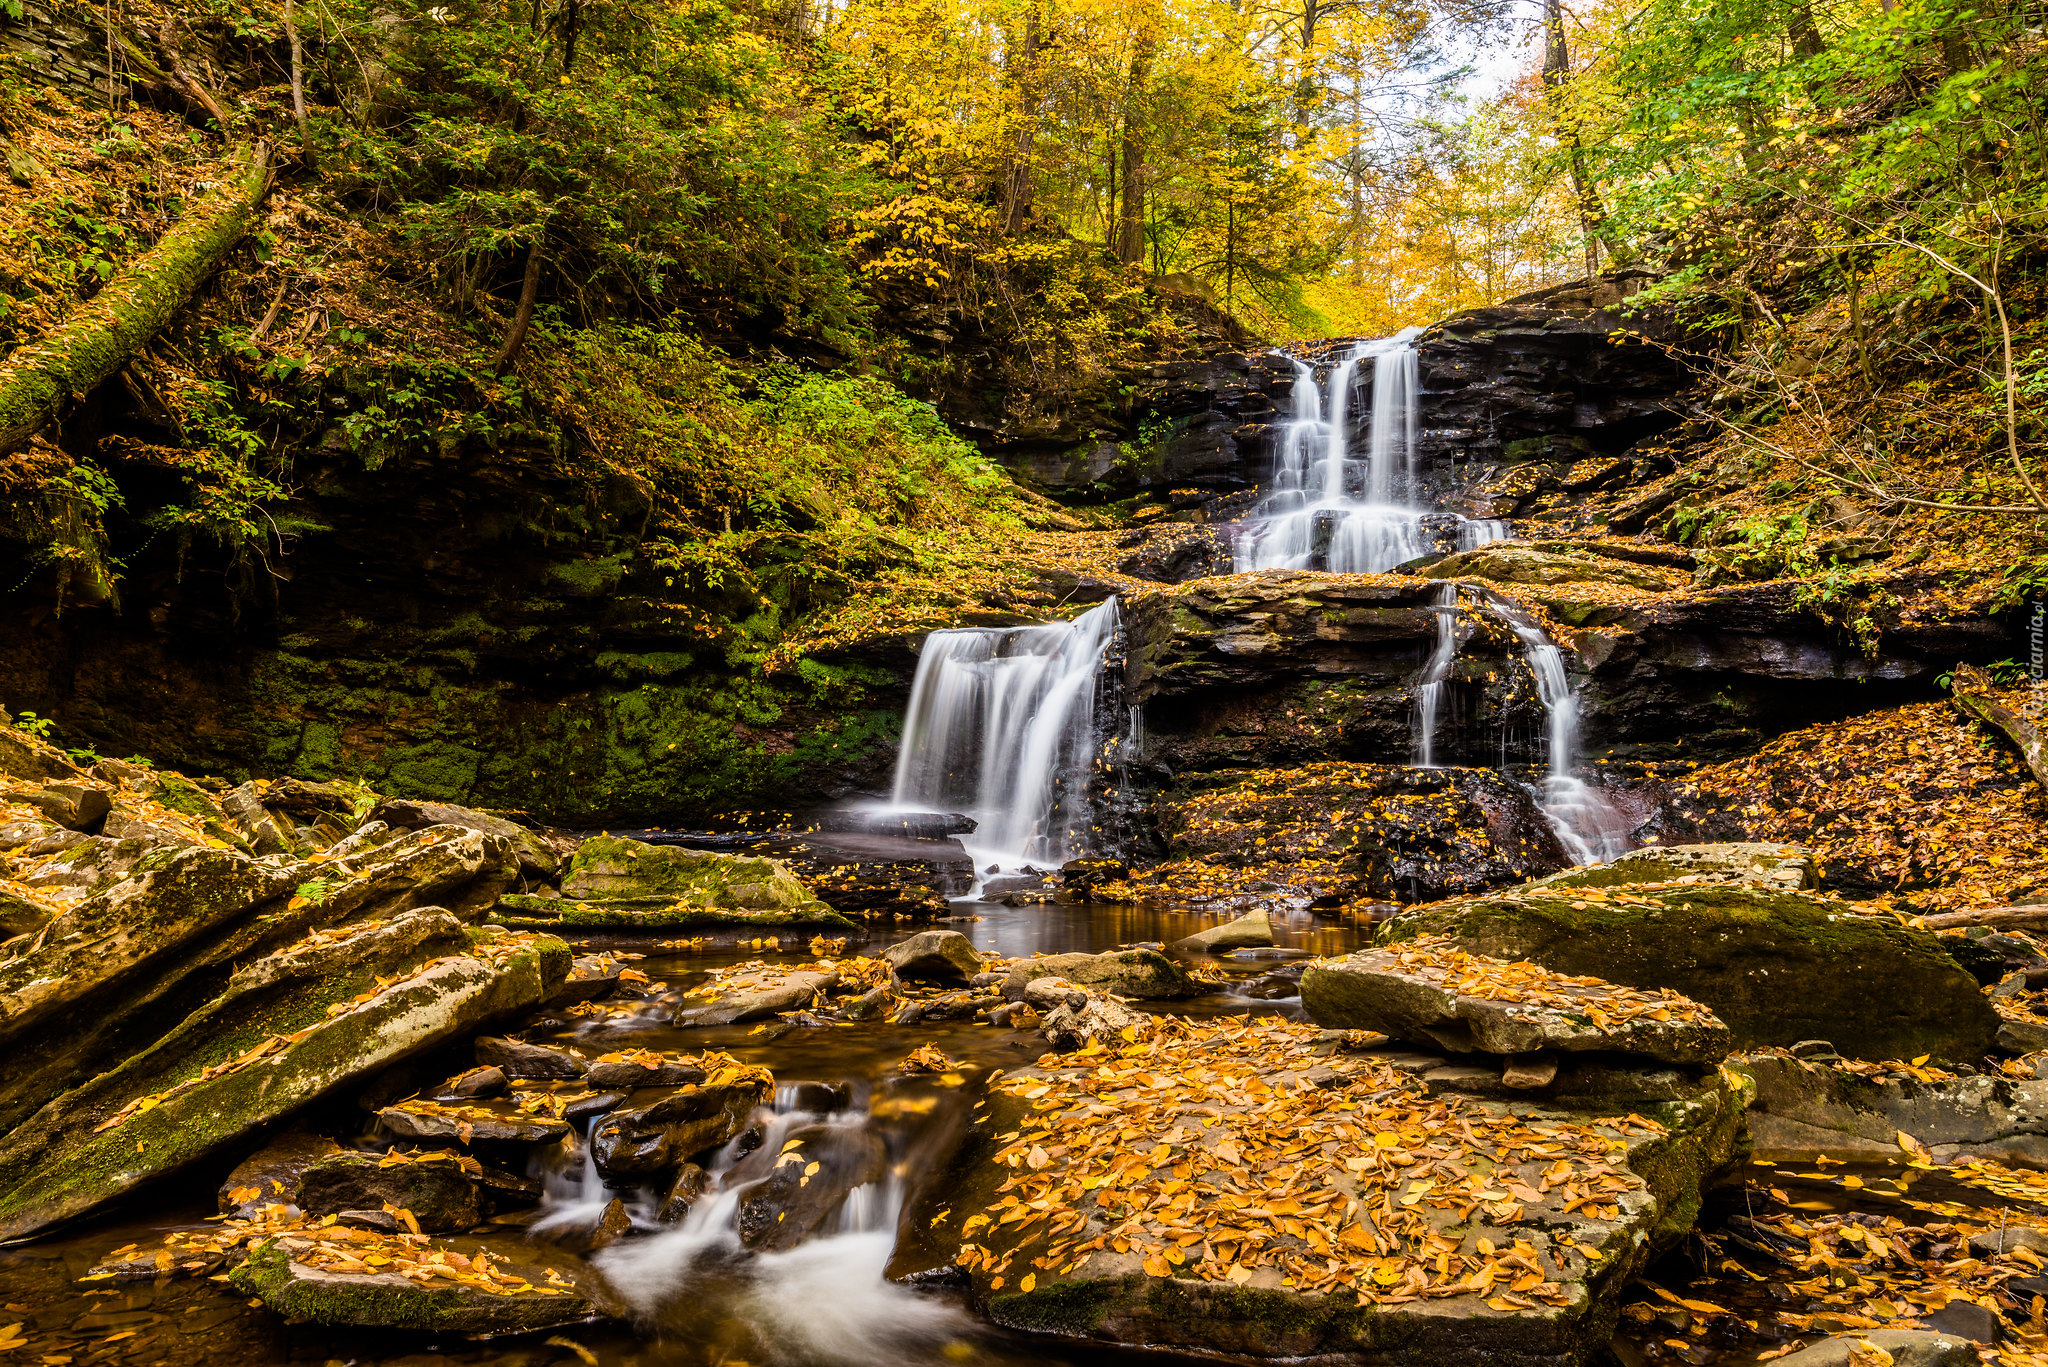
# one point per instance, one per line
(1974, 697)
(99, 337)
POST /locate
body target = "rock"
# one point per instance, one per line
(665, 1073)
(680, 1126)
(477, 1082)
(684, 1191)
(21, 916)
(1082, 1018)
(588, 1108)
(517, 1058)
(1967, 1319)
(68, 1161)
(591, 977)
(469, 1123)
(1238, 1085)
(1775, 966)
(1907, 1347)
(871, 1004)
(22, 756)
(795, 990)
(1413, 992)
(612, 867)
(934, 956)
(1251, 931)
(465, 871)
(612, 1224)
(1992, 1242)
(2021, 1037)
(1507, 562)
(302, 1294)
(537, 859)
(432, 1186)
(1806, 1110)
(1142, 973)
(75, 806)
(270, 1176)
(536, 912)
(258, 827)
(805, 1183)
(1530, 1072)
(1791, 867)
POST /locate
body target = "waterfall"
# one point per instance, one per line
(1327, 510)
(1430, 687)
(1586, 823)
(1003, 727)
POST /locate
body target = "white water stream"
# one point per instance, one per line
(1003, 727)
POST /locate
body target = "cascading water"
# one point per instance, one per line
(1586, 823)
(1327, 510)
(1003, 726)
(1429, 689)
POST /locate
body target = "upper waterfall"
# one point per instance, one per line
(1005, 726)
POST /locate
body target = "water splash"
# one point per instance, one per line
(1587, 824)
(1429, 688)
(1003, 727)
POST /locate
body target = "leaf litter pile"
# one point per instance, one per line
(1436, 959)
(1248, 1151)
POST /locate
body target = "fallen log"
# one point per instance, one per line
(99, 336)
(1973, 696)
(2010, 917)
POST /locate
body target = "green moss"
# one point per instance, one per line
(393, 1302)
(525, 912)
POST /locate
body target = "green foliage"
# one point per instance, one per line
(36, 726)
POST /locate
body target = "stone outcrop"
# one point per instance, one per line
(1142, 973)
(305, 1294)
(1807, 1109)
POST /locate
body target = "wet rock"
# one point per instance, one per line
(611, 866)
(1790, 867)
(75, 806)
(1142, 973)
(612, 1224)
(588, 1108)
(664, 1073)
(684, 1191)
(1907, 1347)
(870, 1005)
(517, 1058)
(806, 1183)
(1420, 1001)
(470, 1123)
(1991, 1242)
(796, 990)
(1805, 1110)
(302, 1294)
(537, 859)
(1508, 562)
(1251, 931)
(200, 1089)
(934, 956)
(477, 1082)
(1777, 967)
(433, 1187)
(679, 1127)
(270, 1176)
(591, 977)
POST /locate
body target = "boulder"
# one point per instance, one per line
(484, 1122)
(611, 867)
(270, 1176)
(934, 956)
(477, 1082)
(465, 871)
(1906, 1347)
(517, 1058)
(1077, 1019)
(548, 1290)
(535, 912)
(793, 990)
(537, 859)
(1777, 967)
(1427, 992)
(264, 833)
(1251, 931)
(650, 1139)
(1374, 1240)
(1790, 867)
(75, 806)
(266, 1047)
(1142, 973)
(643, 1071)
(432, 1186)
(805, 1183)
(685, 1189)
(1805, 1110)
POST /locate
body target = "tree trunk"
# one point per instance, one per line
(1557, 70)
(99, 336)
(2009, 918)
(572, 22)
(1972, 695)
(1130, 243)
(1805, 32)
(1017, 179)
(291, 33)
(529, 290)
(167, 39)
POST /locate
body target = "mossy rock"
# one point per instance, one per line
(610, 867)
(528, 912)
(1507, 563)
(1778, 967)
(1141, 973)
(305, 1295)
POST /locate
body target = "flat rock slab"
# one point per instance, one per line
(656, 913)
(1143, 973)
(777, 991)
(469, 1122)
(1777, 967)
(1789, 867)
(1251, 931)
(1289, 1198)
(1908, 1348)
(680, 1126)
(1809, 1110)
(1430, 992)
(305, 1292)
(612, 866)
